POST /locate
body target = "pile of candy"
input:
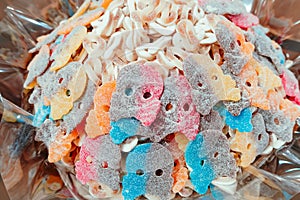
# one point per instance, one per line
(160, 98)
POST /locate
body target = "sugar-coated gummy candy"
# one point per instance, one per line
(72, 88)
(267, 79)
(222, 7)
(264, 46)
(62, 53)
(41, 115)
(244, 20)
(80, 108)
(179, 174)
(261, 137)
(178, 112)
(218, 152)
(38, 65)
(99, 161)
(35, 96)
(290, 84)
(279, 124)
(61, 104)
(137, 94)
(237, 51)
(235, 107)
(209, 84)
(242, 122)
(83, 20)
(251, 144)
(123, 129)
(205, 156)
(61, 145)
(92, 127)
(201, 172)
(176, 143)
(47, 131)
(149, 168)
(290, 109)
(250, 83)
(212, 121)
(52, 82)
(98, 120)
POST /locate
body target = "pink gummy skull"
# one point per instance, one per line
(178, 112)
(137, 94)
(290, 84)
(244, 20)
(99, 161)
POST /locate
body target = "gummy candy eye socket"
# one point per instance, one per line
(80, 106)
(276, 121)
(139, 172)
(200, 84)
(248, 146)
(128, 91)
(147, 95)
(159, 172)
(104, 164)
(202, 162)
(105, 108)
(68, 93)
(239, 42)
(169, 107)
(259, 137)
(216, 154)
(186, 107)
(214, 77)
(60, 80)
(248, 84)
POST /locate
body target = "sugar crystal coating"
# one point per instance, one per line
(149, 168)
(139, 88)
(101, 167)
(208, 82)
(178, 113)
(279, 124)
(201, 172)
(38, 65)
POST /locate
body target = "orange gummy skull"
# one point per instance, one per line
(61, 146)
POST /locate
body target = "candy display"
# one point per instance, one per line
(160, 99)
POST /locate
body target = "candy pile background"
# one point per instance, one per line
(135, 104)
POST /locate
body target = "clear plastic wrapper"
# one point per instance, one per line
(23, 161)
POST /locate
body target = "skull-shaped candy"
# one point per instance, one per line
(251, 144)
(209, 84)
(178, 112)
(99, 161)
(137, 94)
(149, 167)
(237, 51)
(205, 156)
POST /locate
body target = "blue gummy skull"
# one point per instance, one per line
(123, 129)
(149, 168)
(196, 158)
